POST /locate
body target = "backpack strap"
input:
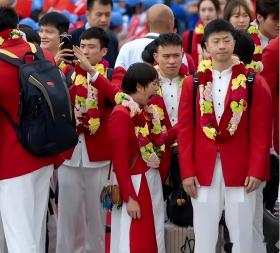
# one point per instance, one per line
(250, 82)
(195, 87)
(39, 52)
(10, 58)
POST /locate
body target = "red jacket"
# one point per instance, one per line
(246, 153)
(14, 160)
(98, 146)
(270, 72)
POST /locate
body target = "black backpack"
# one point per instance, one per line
(46, 121)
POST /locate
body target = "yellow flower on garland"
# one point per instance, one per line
(81, 80)
(256, 65)
(159, 112)
(199, 29)
(258, 50)
(144, 131)
(210, 132)
(119, 97)
(240, 80)
(206, 107)
(156, 129)
(100, 68)
(1, 41)
(94, 124)
(91, 104)
(80, 100)
(204, 65)
(238, 106)
(252, 29)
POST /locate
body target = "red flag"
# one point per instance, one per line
(23, 8)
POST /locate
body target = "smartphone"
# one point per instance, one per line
(67, 43)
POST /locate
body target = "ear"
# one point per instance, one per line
(139, 88)
(260, 18)
(155, 54)
(104, 51)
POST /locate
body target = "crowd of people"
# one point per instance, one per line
(148, 87)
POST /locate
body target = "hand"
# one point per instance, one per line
(83, 61)
(251, 184)
(61, 54)
(133, 208)
(189, 185)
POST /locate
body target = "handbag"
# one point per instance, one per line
(179, 208)
(111, 194)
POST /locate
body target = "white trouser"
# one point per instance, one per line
(121, 221)
(23, 206)
(239, 214)
(258, 238)
(81, 219)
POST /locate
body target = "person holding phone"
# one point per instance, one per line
(54, 38)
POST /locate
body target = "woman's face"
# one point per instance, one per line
(149, 91)
(240, 19)
(207, 12)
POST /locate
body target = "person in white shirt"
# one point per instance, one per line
(223, 152)
(160, 20)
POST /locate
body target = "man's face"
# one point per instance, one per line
(220, 46)
(99, 15)
(169, 59)
(50, 39)
(91, 48)
(269, 27)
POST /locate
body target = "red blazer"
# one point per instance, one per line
(246, 153)
(270, 72)
(125, 149)
(14, 160)
(98, 146)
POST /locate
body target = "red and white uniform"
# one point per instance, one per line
(24, 178)
(81, 219)
(221, 166)
(141, 183)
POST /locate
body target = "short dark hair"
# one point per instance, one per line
(266, 7)
(31, 35)
(216, 4)
(8, 18)
(244, 46)
(232, 4)
(218, 25)
(56, 19)
(148, 52)
(96, 33)
(167, 39)
(102, 2)
(138, 73)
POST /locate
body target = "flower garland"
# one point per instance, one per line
(10, 34)
(196, 44)
(148, 128)
(238, 103)
(86, 110)
(256, 64)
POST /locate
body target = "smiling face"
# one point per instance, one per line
(169, 59)
(240, 19)
(50, 39)
(220, 46)
(91, 48)
(207, 12)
